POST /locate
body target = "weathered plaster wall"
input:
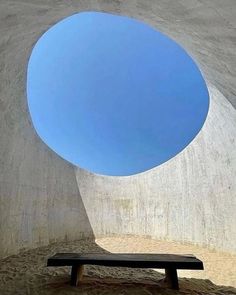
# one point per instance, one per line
(191, 198)
(39, 198)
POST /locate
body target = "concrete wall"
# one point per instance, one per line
(40, 200)
(190, 198)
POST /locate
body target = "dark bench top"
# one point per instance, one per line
(127, 260)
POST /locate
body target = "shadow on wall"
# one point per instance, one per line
(40, 201)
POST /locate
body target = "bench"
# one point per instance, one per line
(169, 262)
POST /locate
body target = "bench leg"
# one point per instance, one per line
(171, 278)
(76, 274)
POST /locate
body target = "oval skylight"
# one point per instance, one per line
(112, 95)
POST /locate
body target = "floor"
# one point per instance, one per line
(26, 273)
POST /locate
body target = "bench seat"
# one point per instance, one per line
(169, 262)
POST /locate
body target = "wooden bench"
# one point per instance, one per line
(169, 262)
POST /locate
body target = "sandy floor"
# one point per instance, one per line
(26, 273)
(220, 267)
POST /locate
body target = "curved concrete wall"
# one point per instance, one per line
(39, 197)
(190, 198)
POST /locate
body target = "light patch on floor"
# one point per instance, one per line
(220, 267)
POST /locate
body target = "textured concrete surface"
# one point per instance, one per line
(190, 198)
(40, 201)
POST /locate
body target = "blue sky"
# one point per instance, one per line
(112, 95)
